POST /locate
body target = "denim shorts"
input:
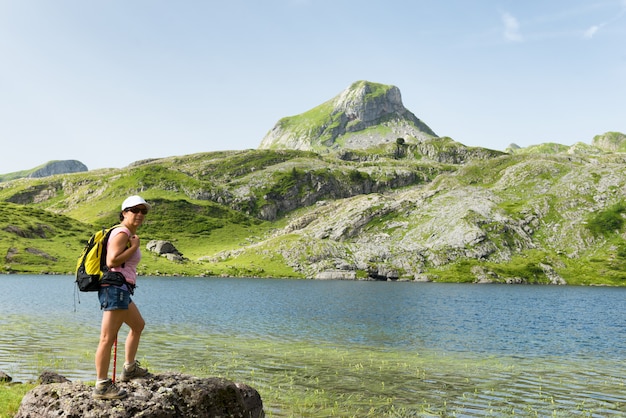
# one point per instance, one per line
(113, 298)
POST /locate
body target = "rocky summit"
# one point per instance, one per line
(58, 167)
(162, 395)
(48, 169)
(364, 115)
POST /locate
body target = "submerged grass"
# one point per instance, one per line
(313, 379)
(317, 379)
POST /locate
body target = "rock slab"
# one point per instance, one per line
(160, 396)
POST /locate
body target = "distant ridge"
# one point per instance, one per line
(364, 115)
(50, 168)
(608, 142)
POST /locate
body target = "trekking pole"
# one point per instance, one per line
(114, 358)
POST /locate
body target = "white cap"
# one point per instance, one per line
(133, 201)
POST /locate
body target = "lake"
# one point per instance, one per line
(419, 349)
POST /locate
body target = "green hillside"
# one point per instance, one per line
(436, 211)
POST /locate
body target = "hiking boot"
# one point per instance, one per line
(108, 390)
(133, 371)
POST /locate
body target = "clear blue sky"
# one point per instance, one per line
(110, 82)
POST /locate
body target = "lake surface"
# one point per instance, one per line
(568, 339)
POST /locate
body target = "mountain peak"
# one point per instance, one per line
(365, 114)
(58, 167)
(48, 169)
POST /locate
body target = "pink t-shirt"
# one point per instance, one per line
(129, 269)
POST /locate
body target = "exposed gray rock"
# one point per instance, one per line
(173, 257)
(163, 395)
(383, 272)
(162, 247)
(59, 167)
(51, 377)
(37, 193)
(425, 227)
(515, 280)
(483, 275)
(343, 122)
(610, 141)
(5, 377)
(551, 273)
(38, 231)
(336, 275)
(165, 249)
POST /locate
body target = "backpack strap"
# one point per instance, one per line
(105, 243)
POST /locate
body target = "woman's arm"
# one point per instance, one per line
(121, 248)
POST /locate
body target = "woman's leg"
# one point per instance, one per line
(136, 323)
(111, 323)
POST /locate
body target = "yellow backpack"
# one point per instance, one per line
(92, 264)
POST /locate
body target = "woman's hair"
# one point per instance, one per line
(121, 216)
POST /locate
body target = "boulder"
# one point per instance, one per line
(5, 377)
(165, 249)
(161, 395)
(51, 377)
(162, 247)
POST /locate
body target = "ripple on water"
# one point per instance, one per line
(353, 339)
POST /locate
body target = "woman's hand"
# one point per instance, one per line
(121, 248)
(134, 241)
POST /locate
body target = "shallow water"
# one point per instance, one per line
(414, 348)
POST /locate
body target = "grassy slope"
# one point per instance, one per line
(46, 229)
(544, 180)
(48, 236)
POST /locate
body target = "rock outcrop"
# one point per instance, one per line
(163, 395)
(610, 141)
(344, 122)
(165, 249)
(45, 170)
(336, 275)
(5, 377)
(58, 167)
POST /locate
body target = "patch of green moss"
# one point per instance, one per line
(608, 221)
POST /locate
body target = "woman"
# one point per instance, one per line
(123, 256)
